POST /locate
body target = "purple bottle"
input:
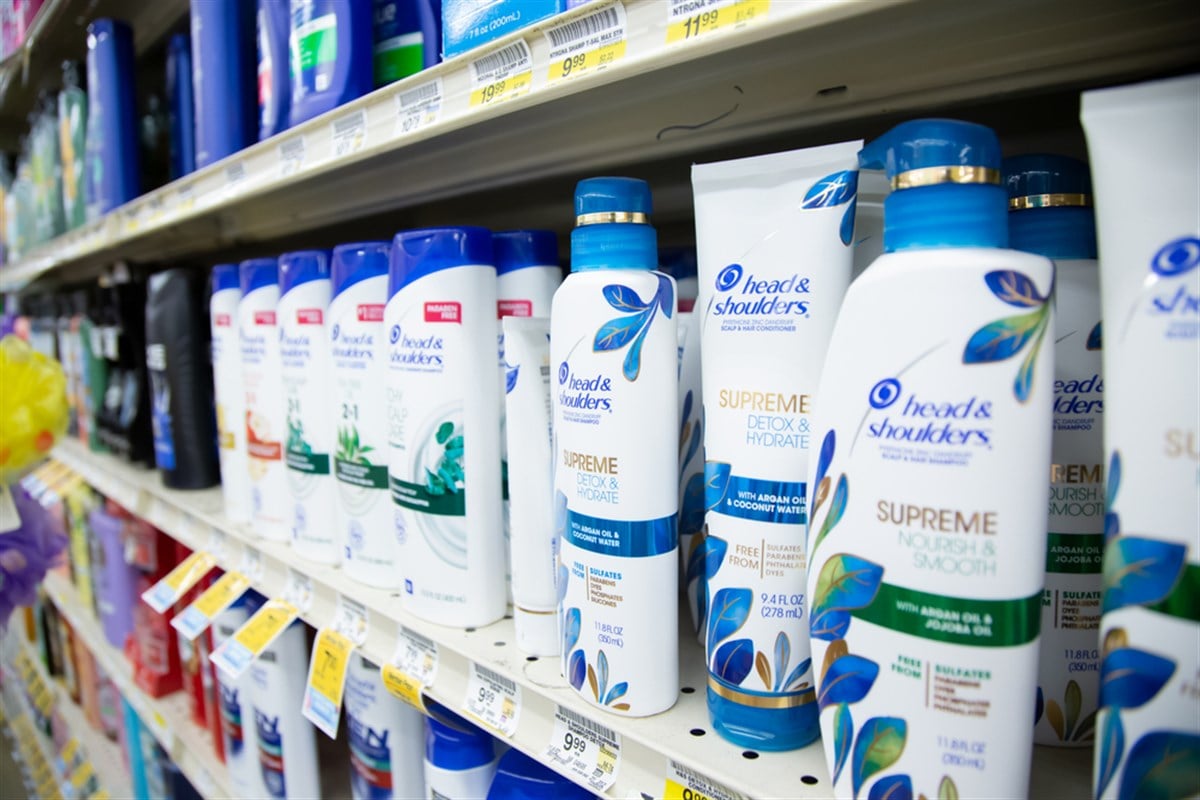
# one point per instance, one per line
(115, 582)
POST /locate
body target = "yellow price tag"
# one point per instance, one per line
(178, 581)
(102, 795)
(70, 750)
(684, 783)
(720, 14)
(82, 775)
(193, 620)
(503, 89)
(578, 64)
(327, 680)
(235, 654)
(404, 686)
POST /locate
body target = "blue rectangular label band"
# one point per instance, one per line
(627, 538)
(778, 502)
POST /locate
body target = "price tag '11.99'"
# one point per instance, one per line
(686, 21)
(584, 750)
(493, 699)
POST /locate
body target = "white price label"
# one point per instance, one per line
(502, 74)
(235, 173)
(216, 544)
(352, 620)
(419, 107)
(291, 156)
(493, 699)
(584, 750)
(349, 133)
(417, 656)
(251, 564)
(589, 43)
(299, 590)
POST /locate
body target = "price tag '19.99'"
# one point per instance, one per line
(584, 750)
(493, 699)
(503, 74)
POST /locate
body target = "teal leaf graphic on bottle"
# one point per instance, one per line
(837, 507)
(1162, 764)
(1140, 572)
(629, 331)
(832, 190)
(845, 583)
(848, 680)
(892, 787)
(1112, 746)
(577, 669)
(1130, 678)
(729, 612)
(843, 737)
(828, 446)
(1007, 337)
(879, 744)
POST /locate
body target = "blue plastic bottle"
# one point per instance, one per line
(329, 44)
(274, 86)
(223, 81)
(403, 43)
(460, 759)
(519, 777)
(180, 106)
(112, 140)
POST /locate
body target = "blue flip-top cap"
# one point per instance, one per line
(513, 250)
(302, 266)
(1050, 206)
(424, 251)
(355, 262)
(225, 276)
(453, 743)
(946, 185)
(519, 777)
(613, 231)
(258, 272)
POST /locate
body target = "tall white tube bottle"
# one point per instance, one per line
(358, 352)
(928, 535)
(304, 353)
(238, 732)
(1144, 144)
(386, 738)
(228, 391)
(263, 384)
(287, 742)
(773, 243)
(444, 424)
(1050, 213)
(615, 365)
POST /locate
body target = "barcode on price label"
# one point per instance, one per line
(419, 107)
(687, 784)
(349, 133)
(291, 156)
(235, 173)
(584, 750)
(493, 699)
(502, 75)
(588, 43)
(687, 19)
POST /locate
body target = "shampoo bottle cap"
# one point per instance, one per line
(519, 777)
(613, 231)
(453, 743)
(302, 266)
(225, 276)
(257, 273)
(515, 250)
(422, 252)
(1050, 206)
(357, 261)
(946, 192)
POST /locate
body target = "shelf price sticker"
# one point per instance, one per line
(587, 44)
(419, 107)
(217, 543)
(251, 564)
(688, 19)
(349, 133)
(197, 617)
(299, 590)
(503, 74)
(291, 156)
(413, 668)
(238, 652)
(493, 699)
(327, 680)
(164, 594)
(235, 174)
(584, 750)
(687, 784)
(83, 780)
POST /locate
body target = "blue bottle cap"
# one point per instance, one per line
(513, 250)
(225, 276)
(1050, 206)
(258, 272)
(180, 43)
(946, 192)
(358, 261)
(104, 26)
(424, 251)
(302, 266)
(453, 743)
(613, 231)
(519, 777)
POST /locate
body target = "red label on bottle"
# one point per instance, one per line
(514, 308)
(264, 317)
(309, 316)
(443, 312)
(370, 312)
(223, 321)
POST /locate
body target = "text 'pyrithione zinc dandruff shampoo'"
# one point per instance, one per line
(1050, 213)
(1144, 143)
(614, 353)
(773, 242)
(928, 535)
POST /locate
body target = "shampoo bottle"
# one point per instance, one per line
(238, 732)
(1050, 213)
(304, 355)
(222, 77)
(460, 759)
(181, 108)
(274, 84)
(229, 394)
(1144, 145)
(399, 41)
(519, 777)
(928, 535)
(766, 316)
(443, 400)
(358, 354)
(287, 744)
(385, 738)
(262, 380)
(614, 355)
(330, 55)
(112, 150)
(72, 133)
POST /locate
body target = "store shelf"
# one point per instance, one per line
(795, 66)
(167, 718)
(30, 747)
(647, 745)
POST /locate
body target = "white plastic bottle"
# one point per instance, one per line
(927, 538)
(1144, 144)
(263, 384)
(767, 314)
(386, 738)
(304, 353)
(287, 743)
(358, 355)
(615, 366)
(444, 424)
(1050, 213)
(460, 759)
(237, 715)
(229, 392)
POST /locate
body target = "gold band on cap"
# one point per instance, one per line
(602, 217)
(930, 176)
(1050, 201)
(761, 701)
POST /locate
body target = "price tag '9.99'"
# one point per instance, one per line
(493, 699)
(584, 750)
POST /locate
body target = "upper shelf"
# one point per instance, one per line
(678, 87)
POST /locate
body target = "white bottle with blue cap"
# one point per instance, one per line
(1050, 213)
(228, 393)
(460, 759)
(927, 554)
(614, 357)
(386, 757)
(305, 290)
(443, 400)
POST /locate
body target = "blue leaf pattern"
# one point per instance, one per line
(1129, 677)
(630, 330)
(1112, 520)
(837, 507)
(1014, 288)
(878, 745)
(601, 673)
(1112, 746)
(1162, 765)
(830, 625)
(577, 669)
(616, 333)
(572, 622)
(692, 518)
(832, 190)
(666, 295)
(623, 298)
(1039, 706)
(510, 378)
(1002, 339)
(828, 446)
(892, 787)
(631, 367)
(685, 414)
(846, 582)
(843, 734)
(716, 482)
(730, 610)
(846, 229)
(848, 680)
(1095, 340)
(694, 446)
(714, 554)
(1140, 571)
(783, 654)
(1023, 385)
(799, 672)
(616, 693)
(734, 660)
(564, 576)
